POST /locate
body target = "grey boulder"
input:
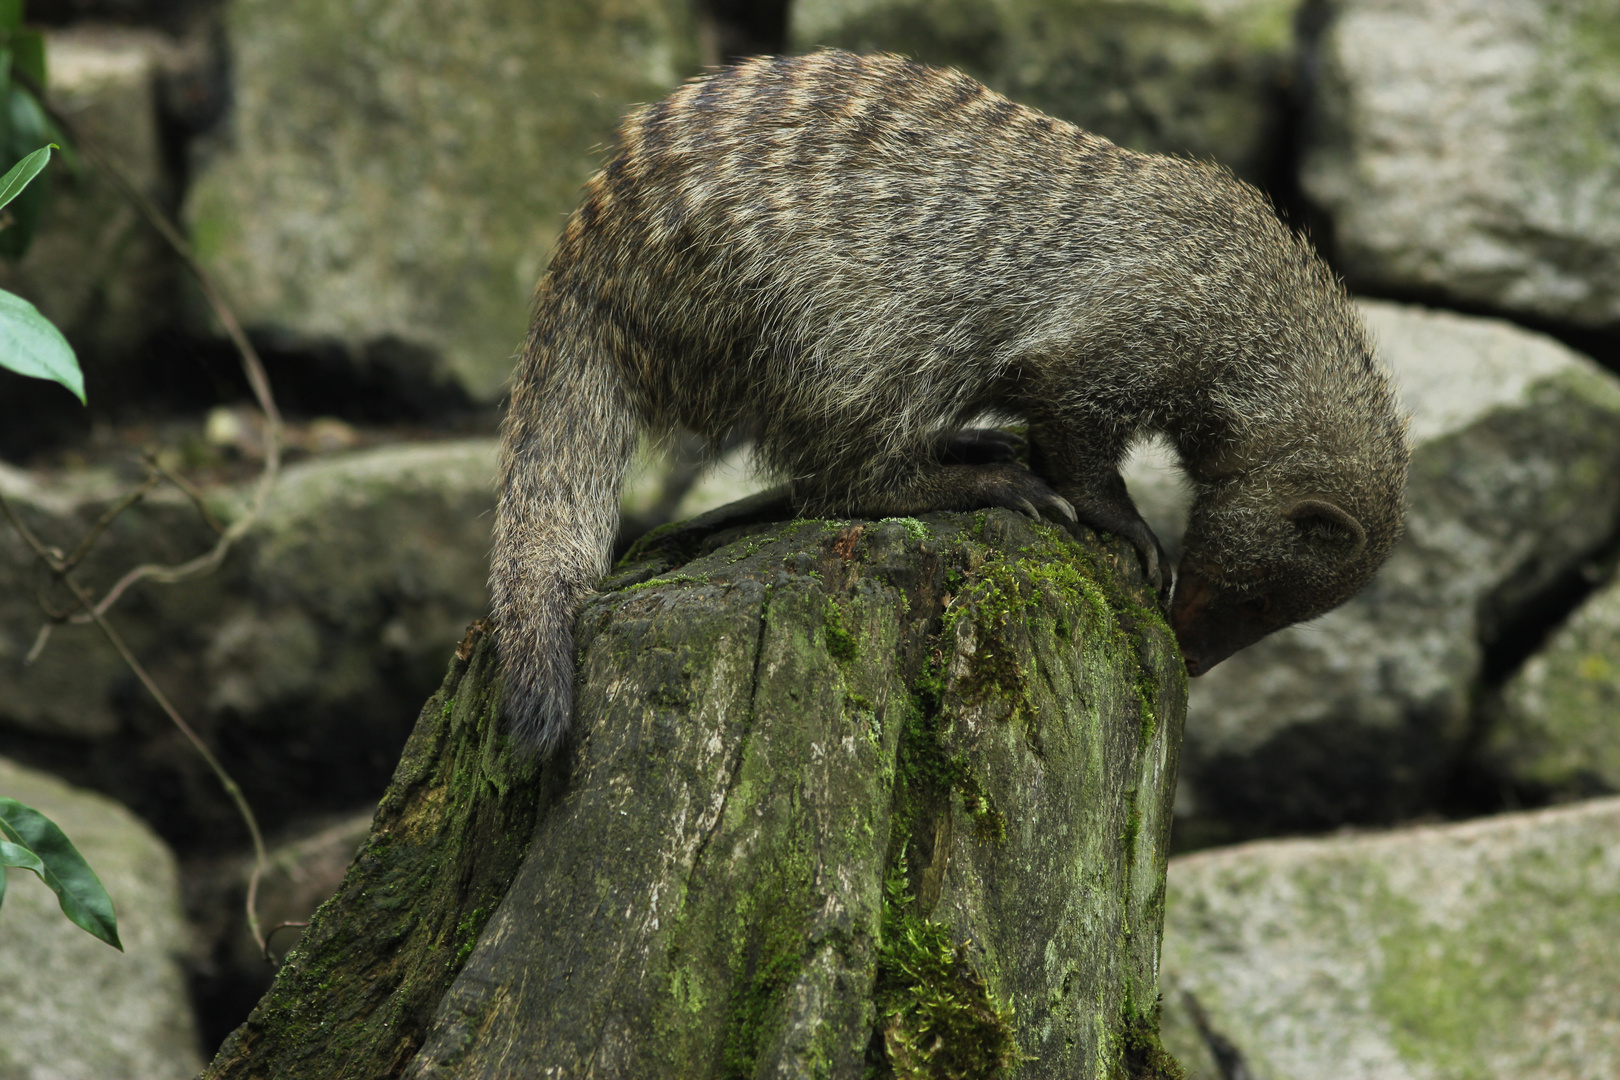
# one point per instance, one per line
(1469, 149)
(303, 658)
(1200, 77)
(95, 268)
(74, 1007)
(1555, 728)
(1484, 950)
(392, 179)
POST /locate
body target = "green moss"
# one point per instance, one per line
(745, 550)
(673, 579)
(1444, 991)
(768, 940)
(759, 998)
(936, 1015)
(1002, 594)
(929, 773)
(1133, 827)
(467, 931)
(841, 641)
(914, 528)
(1143, 1056)
(1567, 109)
(988, 822)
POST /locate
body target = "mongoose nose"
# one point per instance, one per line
(1192, 595)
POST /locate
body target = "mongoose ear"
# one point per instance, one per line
(1328, 523)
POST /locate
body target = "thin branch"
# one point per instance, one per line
(271, 933)
(226, 781)
(40, 641)
(192, 491)
(106, 519)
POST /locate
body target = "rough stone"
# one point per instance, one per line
(75, 1008)
(303, 658)
(1468, 149)
(1483, 950)
(394, 173)
(1200, 77)
(1515, 482)
(1556, 728)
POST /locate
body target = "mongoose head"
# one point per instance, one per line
(1301, 477)
(1264, 552)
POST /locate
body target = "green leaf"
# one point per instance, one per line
(11, 13)
(29, 128)
(78, 890)
(18, 175)
(17, 855)
(30, 345)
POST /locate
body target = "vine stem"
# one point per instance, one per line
(253, 369)
(232, 789)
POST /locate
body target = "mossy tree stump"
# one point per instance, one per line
(846, 799)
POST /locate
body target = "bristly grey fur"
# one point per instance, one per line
(854, 255)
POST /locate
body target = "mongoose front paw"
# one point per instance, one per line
(1156, 565)
(1017, 488)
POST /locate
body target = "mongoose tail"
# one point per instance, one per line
(570, 431)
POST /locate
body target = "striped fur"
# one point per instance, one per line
(852, 255)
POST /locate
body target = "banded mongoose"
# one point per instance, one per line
(858, 255)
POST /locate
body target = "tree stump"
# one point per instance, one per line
(845, 799)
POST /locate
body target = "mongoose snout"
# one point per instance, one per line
(856, 257)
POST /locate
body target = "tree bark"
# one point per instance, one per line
(846, 799)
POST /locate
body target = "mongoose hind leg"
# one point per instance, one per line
(772, 504)
(940, 485)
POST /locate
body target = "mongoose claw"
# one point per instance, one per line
(1064, 507)
(1027, 507)
(1155, 563)
(1160, 575)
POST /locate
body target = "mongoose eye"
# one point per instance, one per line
(1256, 605)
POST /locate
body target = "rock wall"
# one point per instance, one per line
(1365, 714)
(1199, 77)
(305, 656)
(377, 186)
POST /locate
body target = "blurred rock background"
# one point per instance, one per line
(376, 187)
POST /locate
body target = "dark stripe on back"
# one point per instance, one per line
(1000, 113)
(655, 127)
